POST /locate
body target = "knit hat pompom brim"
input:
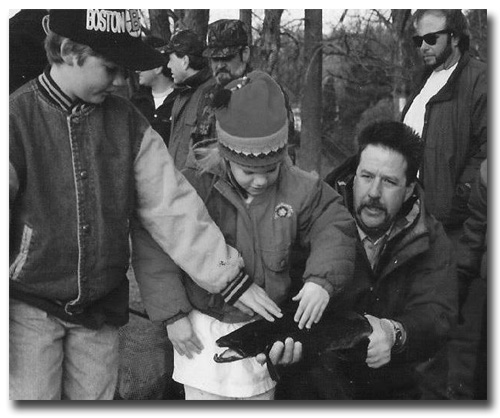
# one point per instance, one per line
(254, 124)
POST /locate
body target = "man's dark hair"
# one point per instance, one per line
(159, 44)
(195, 62)
(456, 23)
(398, 137)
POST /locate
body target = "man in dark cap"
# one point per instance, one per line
(156, 94)
(194, 82)
(228, 50)
(230, 55)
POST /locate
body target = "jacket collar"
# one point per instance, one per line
(196, 80)
(54, 94)
(446, 93)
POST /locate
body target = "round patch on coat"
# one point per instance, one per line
(283, 210)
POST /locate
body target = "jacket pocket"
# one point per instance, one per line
(20, 260)
(276, 261)
(277, 281)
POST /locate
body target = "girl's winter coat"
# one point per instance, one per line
(299, 206)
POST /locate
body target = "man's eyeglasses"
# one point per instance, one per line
(429, 38)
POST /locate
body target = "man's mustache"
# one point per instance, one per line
(223, 70)
(373, 204)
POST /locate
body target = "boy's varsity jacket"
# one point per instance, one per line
(78, 174)
(299, 206)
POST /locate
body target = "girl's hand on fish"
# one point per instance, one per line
(283, 354)
(313, 301)
(381, 341)
(183, 338)
(259, 302)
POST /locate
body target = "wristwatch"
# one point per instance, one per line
(399, 336)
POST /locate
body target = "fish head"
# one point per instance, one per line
(242, 343)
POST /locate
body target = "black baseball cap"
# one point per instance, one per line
(113, 33)
(186, 42)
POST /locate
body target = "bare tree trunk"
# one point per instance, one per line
(160, 23)
(400, 18)
(270, 39)
(194, 19)
(246, 18)
(310, 142)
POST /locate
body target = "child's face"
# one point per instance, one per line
(94, 80)
(255, 181)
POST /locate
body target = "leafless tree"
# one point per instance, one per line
(310, 148)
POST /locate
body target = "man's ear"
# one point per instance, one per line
(409, 190)
(455, 39)
(245, 54)
(185, 62)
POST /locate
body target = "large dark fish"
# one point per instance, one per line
(342, 334)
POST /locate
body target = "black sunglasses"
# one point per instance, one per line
(429, 38)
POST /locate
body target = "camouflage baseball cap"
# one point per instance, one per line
(225, 38)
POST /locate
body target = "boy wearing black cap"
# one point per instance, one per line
(83, 163)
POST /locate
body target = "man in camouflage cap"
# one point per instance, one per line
(228, 50)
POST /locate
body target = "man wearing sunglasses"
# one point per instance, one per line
(449, 111)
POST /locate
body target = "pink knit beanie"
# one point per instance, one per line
(252, 127)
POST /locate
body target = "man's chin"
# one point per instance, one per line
(372, 228)
(224, 80)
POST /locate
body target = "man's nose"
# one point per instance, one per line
(425, 46)
(374, 190)
(220, 64)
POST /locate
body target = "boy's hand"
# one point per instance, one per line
(283, 354)
(183, 338)
(256, 300)
(313, 301)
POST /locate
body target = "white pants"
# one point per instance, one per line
(239, 379)
(193, 394)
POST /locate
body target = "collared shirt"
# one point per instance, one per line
(372, 248)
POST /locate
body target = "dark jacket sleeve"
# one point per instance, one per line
(327, 228)
(431, 308)
(478, 129)
(471, 260)
(159, 278)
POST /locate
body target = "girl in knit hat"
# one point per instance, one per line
(262, 204)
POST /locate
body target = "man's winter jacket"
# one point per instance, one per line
(414, 283)
(455, 136)
(188, 126)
